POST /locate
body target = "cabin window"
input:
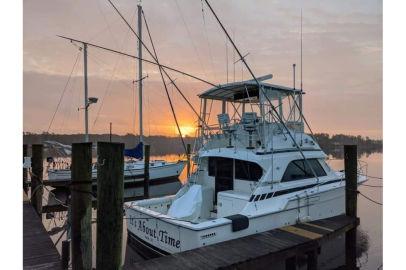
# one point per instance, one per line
(299, 169)
(246, 170)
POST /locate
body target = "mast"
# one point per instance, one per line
(86, 94)
(301, 67)
(140, 71)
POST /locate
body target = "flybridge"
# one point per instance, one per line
(247, 91)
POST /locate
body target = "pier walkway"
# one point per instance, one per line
(38, 250)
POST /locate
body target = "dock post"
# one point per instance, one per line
(110, 189)
(312, 263)
(291, 263)
(81, 206)
(350, 164)
(25, 172)
(65, 254)
(36, 179)
(146, 171)
(188, 159)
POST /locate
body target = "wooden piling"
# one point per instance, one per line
(81, 206)
(350, 163)
(110, 189)
(188, 159)
(312, 263)
(65, 254)
(291, 263)
(25, 172)
(146, 170)
(36, 178)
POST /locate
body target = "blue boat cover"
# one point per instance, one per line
(136, 152)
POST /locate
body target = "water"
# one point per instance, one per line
(370, 230)
(370, 214)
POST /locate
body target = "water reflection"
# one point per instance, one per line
(369, 234)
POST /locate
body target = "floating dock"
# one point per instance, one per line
(38, 250)
(276, 247)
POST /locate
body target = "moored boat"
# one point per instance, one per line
(256, 170)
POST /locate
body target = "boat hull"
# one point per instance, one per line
(153, 237)
(167, 171)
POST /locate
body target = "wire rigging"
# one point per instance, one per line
(207, 40)
(262, 90)
(63, 91)
(163, 81)
(190, 37)
(158, 64)
(107, 90)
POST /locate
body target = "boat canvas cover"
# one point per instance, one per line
(247, 91)
(136, 152)
(188, 206)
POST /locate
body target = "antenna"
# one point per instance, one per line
(227, 58)
(233, 59)
(294, 76)
(301, 50)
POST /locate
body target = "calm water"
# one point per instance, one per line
(369, 213)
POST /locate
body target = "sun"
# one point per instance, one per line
(187, 130)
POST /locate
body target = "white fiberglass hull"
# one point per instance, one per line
(156, 171)
(154, 235)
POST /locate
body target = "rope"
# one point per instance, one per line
(373, 177)
(371, 185)
(366, 197)
(63, 92)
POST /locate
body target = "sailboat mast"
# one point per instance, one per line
(86, 94)
(140, 71)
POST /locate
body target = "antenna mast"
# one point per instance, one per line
(140, 71)
(86, 92)
(301, 68)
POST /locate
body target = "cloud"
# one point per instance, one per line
(342, 56)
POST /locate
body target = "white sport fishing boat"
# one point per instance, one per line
(256, 170)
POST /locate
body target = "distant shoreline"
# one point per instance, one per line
(163, 145)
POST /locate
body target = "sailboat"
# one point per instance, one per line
(159, 170)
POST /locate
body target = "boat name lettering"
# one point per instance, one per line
(160, 235)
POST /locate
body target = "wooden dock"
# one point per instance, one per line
(38, 250)
(258, 251)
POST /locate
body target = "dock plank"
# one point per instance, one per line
(38, 250)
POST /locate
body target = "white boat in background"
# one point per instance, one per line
(254, 173)
(133, 170)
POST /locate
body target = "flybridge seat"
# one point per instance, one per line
(249, 120)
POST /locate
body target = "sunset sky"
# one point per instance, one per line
(342, 60)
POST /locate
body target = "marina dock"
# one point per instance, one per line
(38, 250)
(259, 251)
